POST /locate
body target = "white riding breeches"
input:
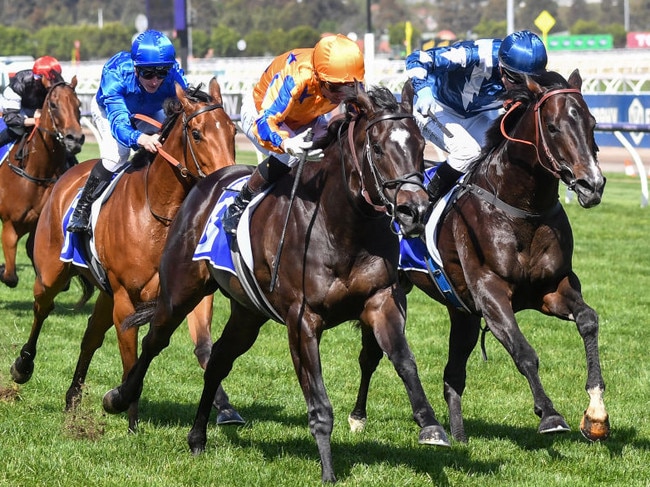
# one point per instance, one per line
(468, 134)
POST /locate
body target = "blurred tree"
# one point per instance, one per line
(525, 16)
(491, 29)
(459, 16)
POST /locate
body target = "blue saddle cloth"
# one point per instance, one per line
(4, 150)
(214, 245)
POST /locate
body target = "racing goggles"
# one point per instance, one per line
(159, 72)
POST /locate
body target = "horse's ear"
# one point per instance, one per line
(364, 103)
(575, 80)
(215, 90)
(532, 85)
(73, 82)
(407, 96)
(180, 94)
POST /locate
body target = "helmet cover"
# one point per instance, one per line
(44, 66)
(152, 48)
(523, 52)
(338, 59)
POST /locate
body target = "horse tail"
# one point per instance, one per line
(142, 315)
(87, 290)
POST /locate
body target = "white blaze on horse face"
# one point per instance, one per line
(218, 124)
(400, 136)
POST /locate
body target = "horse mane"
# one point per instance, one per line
(381, 97)
(519, 93)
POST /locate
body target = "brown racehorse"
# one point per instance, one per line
(506, 245)
(30, 170)
(338, 263)
(198, 138)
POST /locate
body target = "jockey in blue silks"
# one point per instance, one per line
(460, 86)
(131, 83)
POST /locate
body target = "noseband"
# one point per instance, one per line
(555, 167)
(380, 183)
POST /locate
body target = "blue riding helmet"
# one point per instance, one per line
(523, 52)
(153, 48)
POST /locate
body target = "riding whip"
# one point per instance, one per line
(439, 124)
(296, 181)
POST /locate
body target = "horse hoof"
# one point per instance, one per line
(112, 402)
(553, 424)
(594, 430)
(229, 417)
(357, 425)
(18, 376)
(433, 435)
(10, 282)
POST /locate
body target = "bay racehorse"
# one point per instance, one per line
(338, 263)
(32, 167)
(506, 245)
(197, 138)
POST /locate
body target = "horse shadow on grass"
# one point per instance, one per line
(365, 450)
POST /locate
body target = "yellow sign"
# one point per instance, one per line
(408, 33)
(545, 22)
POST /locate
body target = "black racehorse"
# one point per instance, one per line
(506, 245)
(338, 263)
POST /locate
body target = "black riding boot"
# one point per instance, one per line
(97, 181)
(442, 181)
(267, 173)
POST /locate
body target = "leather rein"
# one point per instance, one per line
(183, 170)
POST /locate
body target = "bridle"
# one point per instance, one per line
(380, 183)
(183, 169)
(55, 134)
(551, 165)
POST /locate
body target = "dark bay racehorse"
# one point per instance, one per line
(507, 245)
(198, 138)
(339, 263)
(30, 170)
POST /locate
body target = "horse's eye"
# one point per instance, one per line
(196, 135)
(376, 149)
(53, 106)
(552, 128)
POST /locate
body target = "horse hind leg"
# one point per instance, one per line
(369, 358)
(463, 336)
(98, 324)
(199, 322)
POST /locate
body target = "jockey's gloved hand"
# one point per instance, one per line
(425, 101)
(300, 145)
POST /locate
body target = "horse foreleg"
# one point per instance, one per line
(304, 338)
(385, 314)
(369, 359)
(595, 421)
(199, 323)
(99, 322)
(463, 335)
(23, 367)
(500, 318)
(9, 244)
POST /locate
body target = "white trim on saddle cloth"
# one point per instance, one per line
(73, 250)
(4, 151)
(214, 245)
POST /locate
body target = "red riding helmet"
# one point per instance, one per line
(44, 66)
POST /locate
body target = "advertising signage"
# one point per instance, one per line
(585, 42)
